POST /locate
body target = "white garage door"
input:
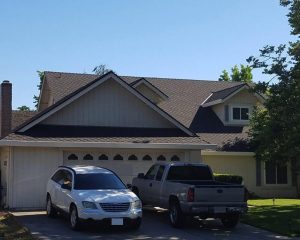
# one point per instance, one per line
(32, 168)
(126, 163)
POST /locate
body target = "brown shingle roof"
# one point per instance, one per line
(19, 117)
(184, 104)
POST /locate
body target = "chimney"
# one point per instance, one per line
(5, 108)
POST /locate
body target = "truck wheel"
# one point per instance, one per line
(230, 220)
(175, 215)
(74, 220)
(50, 210)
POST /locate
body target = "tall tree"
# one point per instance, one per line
(101, 69)
(36, 98)
(244, 74)
(24, 108)
(275, 129)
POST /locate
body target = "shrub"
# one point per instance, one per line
(228, 178)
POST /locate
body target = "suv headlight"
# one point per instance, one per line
(137, 204)
(87, 204)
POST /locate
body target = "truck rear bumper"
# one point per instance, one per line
(210, 210)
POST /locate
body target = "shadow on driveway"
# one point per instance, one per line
(155, 225)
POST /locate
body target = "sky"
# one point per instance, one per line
(188, 39)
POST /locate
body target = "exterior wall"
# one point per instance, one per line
(109, 105)
(245, 166)
(4, 162)
(30, 170)
(244, 97)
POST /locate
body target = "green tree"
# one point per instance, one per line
(244, 74)
(275, 129)
(36, 98)
(101, 69)
(24, 108)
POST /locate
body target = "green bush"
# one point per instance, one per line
(228, 178)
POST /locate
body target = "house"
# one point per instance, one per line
(126, 124)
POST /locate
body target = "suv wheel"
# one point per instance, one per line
(50, 210)
(74, 220)
(176, 215)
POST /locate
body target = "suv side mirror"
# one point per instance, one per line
(141, 175)
(128, 185)
(66, 186)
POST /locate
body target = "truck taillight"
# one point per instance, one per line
(191, 195)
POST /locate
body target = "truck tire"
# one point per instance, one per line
(230, 220)
(175, 214)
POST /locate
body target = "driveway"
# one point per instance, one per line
(155, 226)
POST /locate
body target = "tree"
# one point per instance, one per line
(275, 128)
(24, 108)
(101, 69)
(237, 75)
(36, 98)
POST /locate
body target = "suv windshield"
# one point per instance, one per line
(97, 181)
(192, 173)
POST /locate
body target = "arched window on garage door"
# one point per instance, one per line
(118, 157)
(132, 158)
(161, 158)
(175, 158)
(88, 157)
(72, 157)
(103, 157)
(147, 158)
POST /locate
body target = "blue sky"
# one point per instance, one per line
(171, 38)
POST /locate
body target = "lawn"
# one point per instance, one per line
(10, 229)
(281, 216)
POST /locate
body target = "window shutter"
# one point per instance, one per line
(226, 110)
(258, 172)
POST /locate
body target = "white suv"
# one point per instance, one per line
(92, 193)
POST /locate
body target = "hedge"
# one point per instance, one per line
(228, 178)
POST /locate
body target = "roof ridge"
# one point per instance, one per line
(139, 77)
(242, 84)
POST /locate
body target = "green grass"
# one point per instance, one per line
(282, 217)
(10, 229)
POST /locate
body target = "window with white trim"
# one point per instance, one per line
(240, 113)
(275, 173)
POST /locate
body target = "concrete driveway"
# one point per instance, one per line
(155, 226)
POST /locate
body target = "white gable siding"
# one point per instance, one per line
(109, 105)
(148, 93)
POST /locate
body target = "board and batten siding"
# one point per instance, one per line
(29, 172)
(110, 105)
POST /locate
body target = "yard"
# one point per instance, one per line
(11, 229)
(281, 216)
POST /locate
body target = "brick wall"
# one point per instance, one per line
(5, 108)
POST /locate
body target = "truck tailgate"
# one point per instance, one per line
(219, 193)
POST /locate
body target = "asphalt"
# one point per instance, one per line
(155, 225)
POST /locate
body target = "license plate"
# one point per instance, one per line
(117, 221)
(220, 210)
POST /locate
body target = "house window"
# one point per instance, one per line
(132, 158)
(175, 158)
(103, 157)
(118, 157)
(147, 158)
(88, 157)
(161, 158)
(275, 173)
(240, 113)
(72, 157)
